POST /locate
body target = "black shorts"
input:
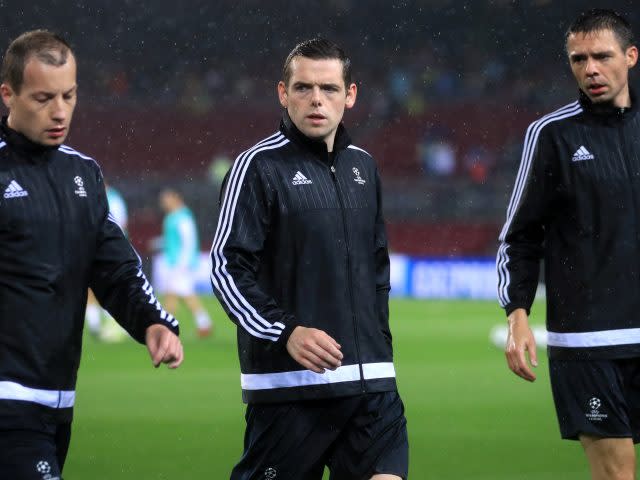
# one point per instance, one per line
(597, 397)
(34, 455)
(356, 437)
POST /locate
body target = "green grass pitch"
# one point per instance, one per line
(468, 416)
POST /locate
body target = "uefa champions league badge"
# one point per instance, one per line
(44, 468)
(358, 178)
(594, 414)
(80, 191)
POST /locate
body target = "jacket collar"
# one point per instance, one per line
(318, 147)
(22, 144)
(607, 110)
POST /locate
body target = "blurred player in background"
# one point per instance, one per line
(57, 239)
(109, 331)
(300, 264)
(181, 249)
(576, 204)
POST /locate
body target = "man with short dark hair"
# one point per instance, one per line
(57, 238)
(576, 203)
(300, 264)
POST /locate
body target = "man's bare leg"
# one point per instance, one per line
(610, 458)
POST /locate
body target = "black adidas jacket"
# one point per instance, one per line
(576, 203)
(56, 239)
(301, 241)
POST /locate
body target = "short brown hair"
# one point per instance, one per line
(598, 19)
(318, 49)
(47, 47)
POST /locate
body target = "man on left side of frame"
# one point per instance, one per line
(57, 239)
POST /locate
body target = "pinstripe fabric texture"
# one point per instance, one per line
(298, 198)
(530, 144)
(56, 240)
(224, 283)
(300, 241)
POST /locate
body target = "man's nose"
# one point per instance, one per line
(591, 68)
(58, 110)
(315, 96)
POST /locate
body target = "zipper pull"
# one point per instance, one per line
(333, 169)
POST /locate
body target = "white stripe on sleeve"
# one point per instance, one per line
(237, 304)
(530, 142)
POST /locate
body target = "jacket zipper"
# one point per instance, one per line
(349, 278)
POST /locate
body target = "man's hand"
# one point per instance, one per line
(314, 349)
(519, 340)
(164, 346)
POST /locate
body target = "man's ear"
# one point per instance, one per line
(282, 94)
(352, 93)
(632, 56)
(7, 95)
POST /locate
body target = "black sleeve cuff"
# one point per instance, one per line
(286, 333)
(514, 306)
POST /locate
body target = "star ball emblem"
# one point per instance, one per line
(594, 403)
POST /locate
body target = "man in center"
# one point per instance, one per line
(300, 264)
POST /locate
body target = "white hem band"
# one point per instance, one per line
(48, 398)
(302, 378)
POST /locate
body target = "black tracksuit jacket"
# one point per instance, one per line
(576, 203)
(56, 239)
(301, 241)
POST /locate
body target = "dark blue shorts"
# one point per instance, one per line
(34, 455)
(597, 397)
(356, 437)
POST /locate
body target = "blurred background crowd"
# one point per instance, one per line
(171, 92)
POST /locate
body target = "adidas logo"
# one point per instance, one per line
(14, 190)
(300, 179)
(582, 154)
